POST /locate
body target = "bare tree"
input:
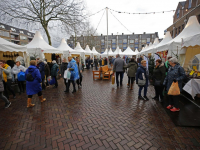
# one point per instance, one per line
(67, 14)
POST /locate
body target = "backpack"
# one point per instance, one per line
(21, 76)
(29, 77)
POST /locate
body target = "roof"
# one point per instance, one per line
(16, 30)
(64, 46)
(182, 3)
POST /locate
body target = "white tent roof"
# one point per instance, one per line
(129, 51)
(192, 41)
(78, 49)
(118, 51)
(94, 51)
(87, 50)
(38, 43)
(136, 51)
(110, 52)
(64, 46)
(105, 53)
(7, 46)
(151, 49)
(192, 28)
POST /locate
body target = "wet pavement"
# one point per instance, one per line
(99, 116)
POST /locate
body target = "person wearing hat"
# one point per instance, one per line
(54, 72)
(175, 73)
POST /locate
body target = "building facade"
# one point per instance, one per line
(15, 35)
(123, 41)
(184, 10)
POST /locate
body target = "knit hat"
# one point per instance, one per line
(53, 62)
(173, 60)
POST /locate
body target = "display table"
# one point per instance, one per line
(192, 87)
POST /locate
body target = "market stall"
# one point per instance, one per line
(79, 52)
(129, 52)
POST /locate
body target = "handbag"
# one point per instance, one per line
(157, 82)
(142, 82)
(113, 79)
(174, 89)
(21, 76)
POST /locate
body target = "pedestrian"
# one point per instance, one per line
(167, 65)
(91, 63)
(158, 79)
(54, 72)
(7, 103)
(175, 73)
(105, 61)
(118, 68)
(15, 70)
(41, 67)
(100, 62)
(7, 78)
(142, 74)
(72, 66)
(140, 59)
(33, 80)
(63, 68)
(79, 81)
(132, 69)
(87, 62)
(96, 63)
(46, 72)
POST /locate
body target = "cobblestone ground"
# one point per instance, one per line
(99, 116)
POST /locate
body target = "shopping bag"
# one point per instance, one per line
(65, 74)
(174, 89)
(52, 81)
(21, 76)
(49, 79)
(113, 79)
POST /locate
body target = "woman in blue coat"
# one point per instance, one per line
(175, 73)
(141, 74)
(33, 80)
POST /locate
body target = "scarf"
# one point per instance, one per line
(4, 74)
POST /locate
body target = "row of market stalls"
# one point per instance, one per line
(185, 46)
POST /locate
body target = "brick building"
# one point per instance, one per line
(15, 35)
(123, 41)
(184, 10)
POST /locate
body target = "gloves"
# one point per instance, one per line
(175, 80)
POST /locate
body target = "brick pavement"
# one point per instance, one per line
(99, 116)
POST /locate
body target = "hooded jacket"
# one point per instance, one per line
(132, 69)
(54, 70)
(139, 73)
(159, 73)
(75, 73)
(33, 87)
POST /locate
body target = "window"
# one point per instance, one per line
(132, 45)
(148, 40)
(131, 41)
(183, 26)
(190, 4)
(143, 41)
(136, 41)
(179, 30)
(113, 40)
(4, 33)
(124, 41)
(23, 37)
(140, 36)
(178, 12)
(120, 41)
(152, 36)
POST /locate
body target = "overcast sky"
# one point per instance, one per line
(135, 23)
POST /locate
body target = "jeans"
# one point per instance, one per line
(121, 77)
(79, 81)
(8, 85)
(159, 91)
(4, 98)
(21, 85)
(131, 80)
(43, 84)
(145, 90)
(39, 94)
(56, 82)
(65, 83)
(68, 85)
(174, 100)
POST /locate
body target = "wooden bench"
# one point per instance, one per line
(97, 74)
(106, 72)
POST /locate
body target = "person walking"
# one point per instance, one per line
(100, 62)
(46, 72)
(96, 63)
(7, 78)
(54, 72)
(79, 81)
(33, 80)
(175, 74)
(91, 63)
(87, 62)
(15, 70)
(72, 66)
(7, 102)
(63, 67)
(41, 67)
(131, 72)
(118, 68)
(158, 79)
(142, 74)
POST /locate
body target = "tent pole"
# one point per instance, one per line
(107, 31)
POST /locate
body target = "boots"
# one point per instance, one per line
(131, 87)
(42, 99)
(29, 105)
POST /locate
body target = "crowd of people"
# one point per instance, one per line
(37, 76)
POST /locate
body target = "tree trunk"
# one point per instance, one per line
(47, 33)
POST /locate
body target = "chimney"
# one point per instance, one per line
(133, 33)
(101, 34)
(144, 33)
(122, 33)
(112, 34)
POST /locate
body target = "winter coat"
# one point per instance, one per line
(159, 73)
(63, 67)
(33, 87)
(1, 81)
(47, 70)
(54, 70)
(8, 72)
(132, 69)
(41, 69)
(75, 73)
(16, 69)
(177, 72)
(118, 65)
(139, 72)
(95, 62)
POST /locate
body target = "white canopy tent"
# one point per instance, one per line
(78, 50)
(37, 47)
(110, 52)
(129, 52)
(94, 51)
(118, 51)
(65, 49)
(150, 48)
(87, 50)
(192, 41)
(105, 54)
(174, 46)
